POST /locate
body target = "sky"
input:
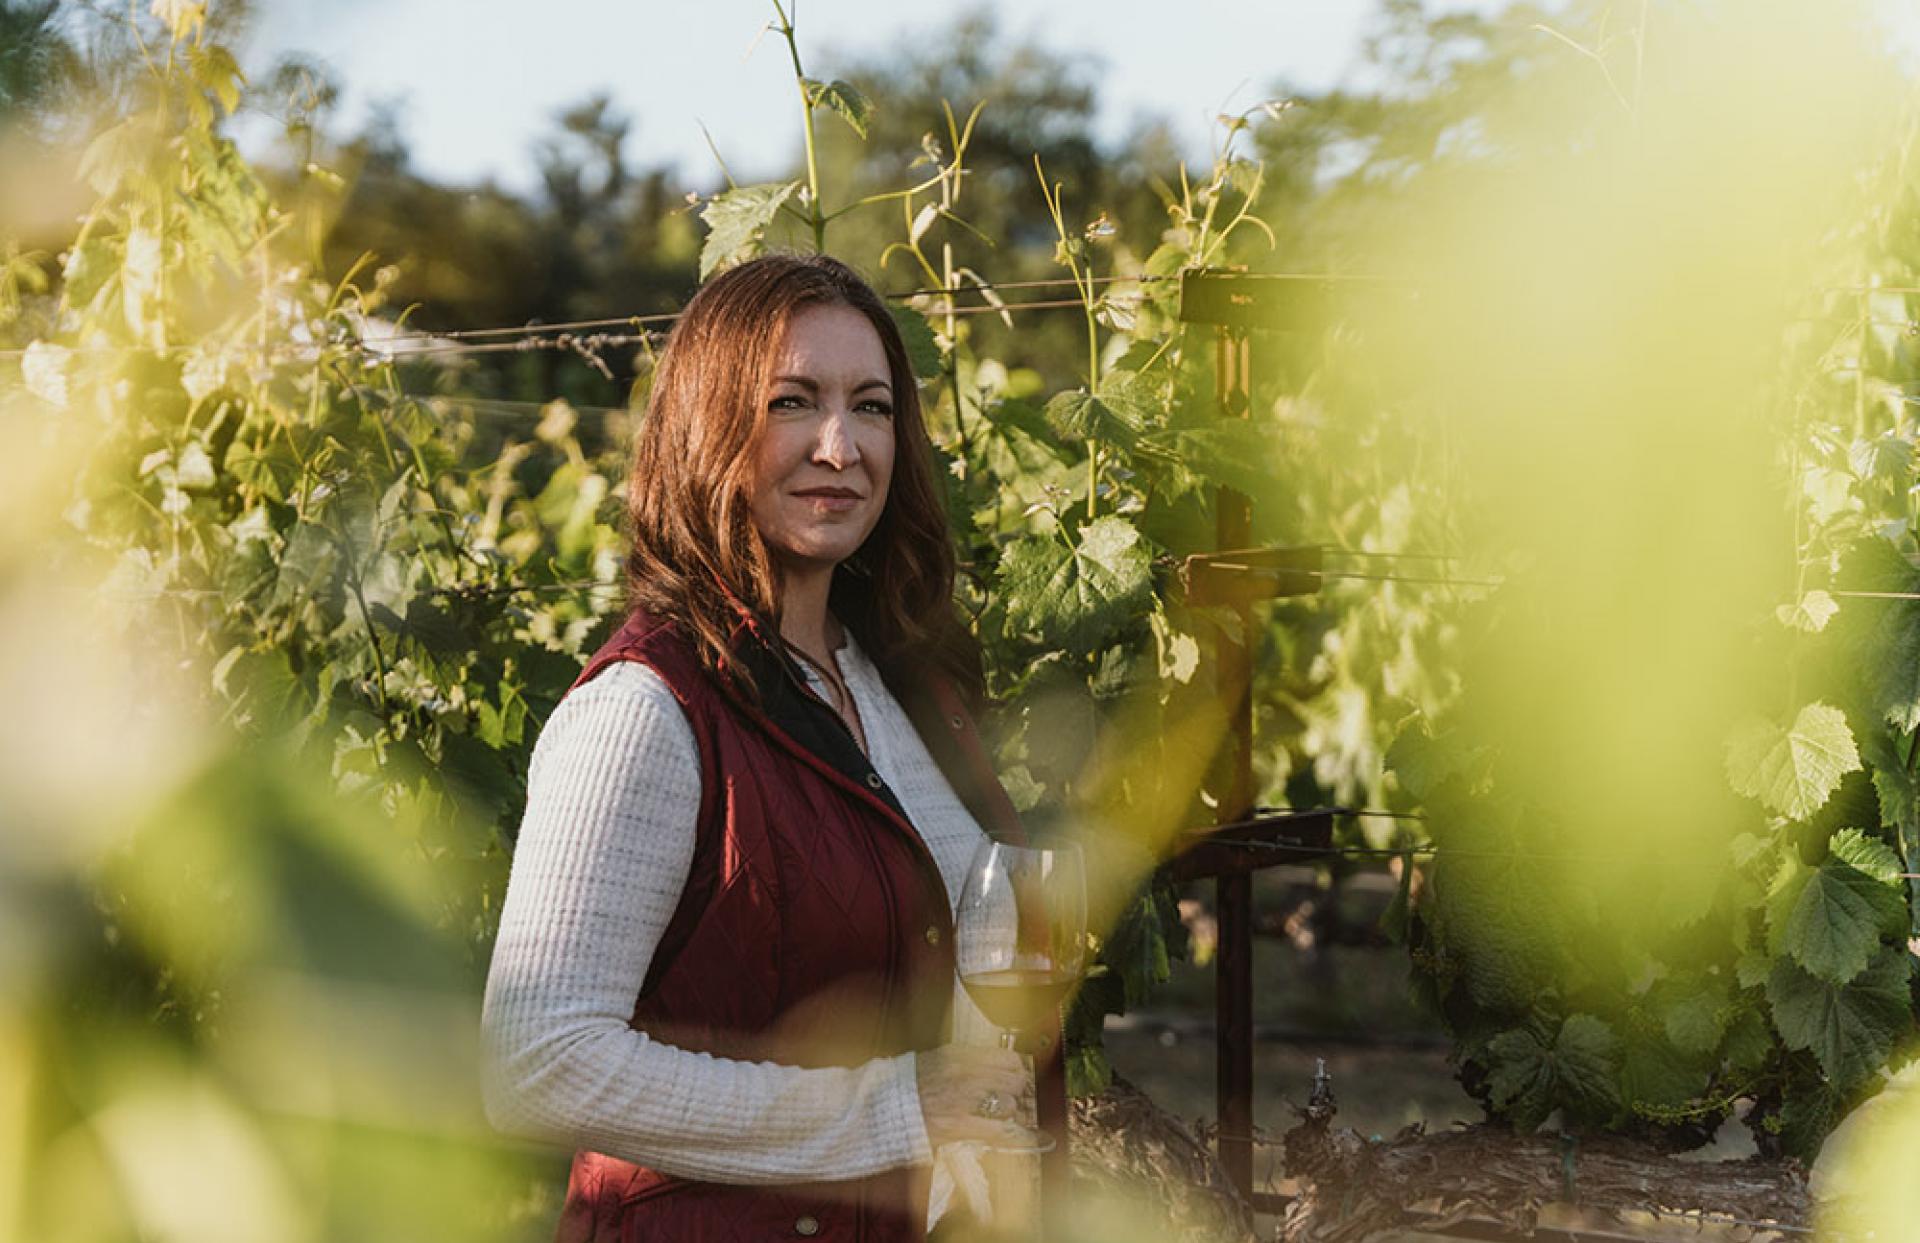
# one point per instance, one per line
(480, 79)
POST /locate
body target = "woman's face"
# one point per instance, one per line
(824, 456)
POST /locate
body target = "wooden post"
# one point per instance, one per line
(1233, 990)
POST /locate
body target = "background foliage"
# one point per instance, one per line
(326, 582)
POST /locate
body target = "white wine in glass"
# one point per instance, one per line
(1021, 934)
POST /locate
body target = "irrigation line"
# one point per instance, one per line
(1275, 571)
(1394, 556)
(1424, 849)
(1407, 578)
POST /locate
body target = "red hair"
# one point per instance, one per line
(697, 557)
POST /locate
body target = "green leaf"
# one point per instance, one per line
(1899, 800)
(1850, 1028)
(1578, 1072)
(737, 219)
(45, 368)
(1870, 856)
(1422, 763)
(1022, 415)
(1881, 636)
(923, 350)
(215, 70)
(1088, 1072)
(1237, 453)
(306, 565)
(194, 469)
(1137, 951)
(1123, 408)
(1808, 1113)
(1486, 904)
(1694, 1021)
(117, 151)
(1830, 919)
(88, 268)
(1811, 614)
(1884, 458)
(1749, 1042)
(845, 99)
(1792, 771)
(1653, 1072)
(1075, 597)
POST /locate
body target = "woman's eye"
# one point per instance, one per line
(877, 407)
(787, 401)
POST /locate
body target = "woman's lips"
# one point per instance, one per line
(832, 500)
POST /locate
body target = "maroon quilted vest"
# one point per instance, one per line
(814, 930)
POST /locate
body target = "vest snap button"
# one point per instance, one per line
(808, 1225)
(873, 779)
(933, 934)
(956, 722)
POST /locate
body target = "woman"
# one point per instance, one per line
(724, 970)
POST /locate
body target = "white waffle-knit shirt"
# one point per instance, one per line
(604, 851)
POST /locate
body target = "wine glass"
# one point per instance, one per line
(1020, 936)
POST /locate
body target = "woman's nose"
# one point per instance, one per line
(835, 446)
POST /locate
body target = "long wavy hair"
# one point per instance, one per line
(697, 557)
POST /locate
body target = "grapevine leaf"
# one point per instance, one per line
(844, 99)
(274, 695)
(1022, 415)
(1808, 1114)
(1884, 634)
(1074, 414)
(1077, 596)
(45, 368)
(923, 351)
(1578, 1071)
(1792, 771)
(1239, 453)
(307, 563)
(736, 221)
(1422, 763)
(215, 70)
(117, 151)
(1830, 919)
(90, 265)
(1121, 410)
(1870, 856)
(1899, 806)
(1489, 910)
(1884, 458)
(1088, 1073)
(1653, 1072)
(1749, 1042)
(1898, 800)
(1166, 260)
(142, 284)
(1137, 951)
(1694, 1022)
(1811, 614)
(1850, 1028)
(194, 468)
(1829, 493)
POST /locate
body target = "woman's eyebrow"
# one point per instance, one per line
(813, 386)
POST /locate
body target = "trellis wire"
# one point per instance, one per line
(555, 336)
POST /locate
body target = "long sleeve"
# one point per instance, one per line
(603, 854)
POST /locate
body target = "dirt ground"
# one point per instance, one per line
(1347, 1004)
